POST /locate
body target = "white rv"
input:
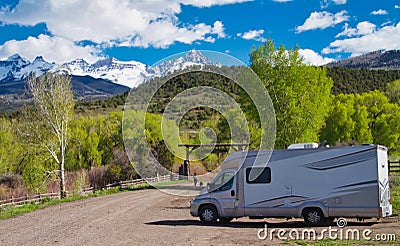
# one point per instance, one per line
(318, 184)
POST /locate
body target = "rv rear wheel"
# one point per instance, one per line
(208, 214)
(314, 217)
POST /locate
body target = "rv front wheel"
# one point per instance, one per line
(208, 214)
(314, 217)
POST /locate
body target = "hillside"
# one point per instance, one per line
(13, 93)
(385, 60)
(346, 80)
(350, 80)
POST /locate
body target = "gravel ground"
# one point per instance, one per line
(146, 217)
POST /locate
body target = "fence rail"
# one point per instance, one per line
(52, 195)
(27, 199)
(394, 167)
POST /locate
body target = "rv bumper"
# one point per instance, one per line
(194, 208)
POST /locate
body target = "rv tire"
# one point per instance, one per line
(314, 217)
(208, 214)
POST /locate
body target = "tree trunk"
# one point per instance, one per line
(63, 192)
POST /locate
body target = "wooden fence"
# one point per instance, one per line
(121, 184)
(28, 199)
(394, 167)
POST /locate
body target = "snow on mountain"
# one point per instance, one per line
(17, 68)
(131, 73)
(39, 66)
(191, 58)
(11, 68)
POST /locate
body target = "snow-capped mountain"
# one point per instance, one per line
(133, 73)
(130, 74)
(16, 68)
(191, 58)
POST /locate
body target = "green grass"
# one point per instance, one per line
(337, 242)
(11, 211)
(169, 182)
(395, 193)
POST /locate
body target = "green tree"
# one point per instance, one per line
(393, 91)
(49, 119)
(9, 147)
(340, 124)
(93, 153)
(364, 118)
(384, 119)
(300, 93)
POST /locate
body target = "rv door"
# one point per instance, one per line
(223, 190)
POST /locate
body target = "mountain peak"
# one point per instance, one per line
(379, 59)
(196, 57)
(39, 59)
(15, 57)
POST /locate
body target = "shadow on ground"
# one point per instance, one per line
(249, 224)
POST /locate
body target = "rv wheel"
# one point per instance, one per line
(314, 217)
(208, 214)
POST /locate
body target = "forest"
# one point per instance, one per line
(312, 104)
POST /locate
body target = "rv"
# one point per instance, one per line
(318, 184)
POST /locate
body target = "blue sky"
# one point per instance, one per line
(150, 30)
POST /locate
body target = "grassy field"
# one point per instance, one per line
(395, 193)
(331, 242)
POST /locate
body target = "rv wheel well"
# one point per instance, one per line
(306, 209)
(311, 207)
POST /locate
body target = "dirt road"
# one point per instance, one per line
(146, 217)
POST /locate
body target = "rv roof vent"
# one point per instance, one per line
(303, 146)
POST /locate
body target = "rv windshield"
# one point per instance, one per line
(218, 183)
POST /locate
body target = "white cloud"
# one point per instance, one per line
(326, 3)
(114, 21)
(313, 58)
(162, 34)
(209, 3)
(54, 49)
(218, 29)
(363, 28)
(386, 38)
(322, 20)
(253, 35)
(397, 6)
(379, 12)
(386, 23)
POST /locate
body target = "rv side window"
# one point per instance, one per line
(261, 175)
